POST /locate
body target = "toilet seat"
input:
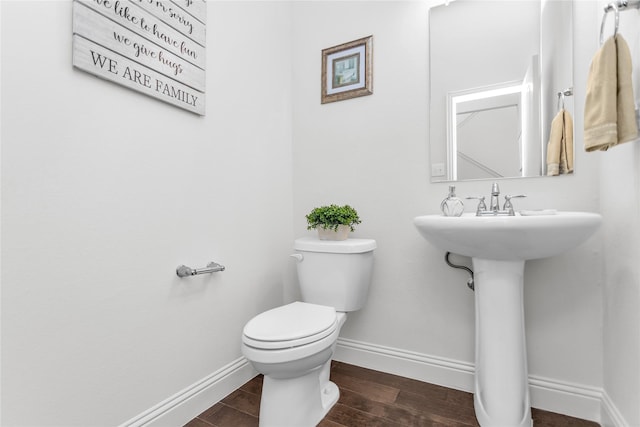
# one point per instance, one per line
(291, 325)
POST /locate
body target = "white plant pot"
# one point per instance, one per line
(342, 233)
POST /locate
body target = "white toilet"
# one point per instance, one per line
(292, 345)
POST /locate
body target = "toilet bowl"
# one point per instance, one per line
(296, 390)
(292, 345)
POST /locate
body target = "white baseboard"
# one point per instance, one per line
(611, 416)
(193, 400)
(576, 400)
(435, 370)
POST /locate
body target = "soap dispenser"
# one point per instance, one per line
(452, 206)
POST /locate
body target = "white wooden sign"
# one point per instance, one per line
(172, 15)
(197, 8)
(152, 46)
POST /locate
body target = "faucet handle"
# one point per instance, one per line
(482, 206)
(508, 206)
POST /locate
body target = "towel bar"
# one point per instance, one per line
(623, 4)
(562, 95)
(616, 7)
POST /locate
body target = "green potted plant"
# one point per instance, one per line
(333, 222)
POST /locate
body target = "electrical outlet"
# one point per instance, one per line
(437, 169)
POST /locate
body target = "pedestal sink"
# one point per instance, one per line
(499, 247)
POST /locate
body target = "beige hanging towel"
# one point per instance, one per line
(627, 125)
(609, 111)
(600, 111)
(560, 146)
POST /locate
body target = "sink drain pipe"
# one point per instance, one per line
(462, 267)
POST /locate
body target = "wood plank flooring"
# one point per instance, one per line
(370, 398)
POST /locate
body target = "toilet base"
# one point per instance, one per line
(298, 402)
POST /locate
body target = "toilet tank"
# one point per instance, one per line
(335, 273)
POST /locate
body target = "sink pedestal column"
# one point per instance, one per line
(501, 395)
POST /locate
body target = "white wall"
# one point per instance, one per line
(106, 191)
(372, 153)
(620, 190)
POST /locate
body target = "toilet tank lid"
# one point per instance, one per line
(349, 246)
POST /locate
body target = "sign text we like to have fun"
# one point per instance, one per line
(155, 47)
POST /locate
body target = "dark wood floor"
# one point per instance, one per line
(369, 399)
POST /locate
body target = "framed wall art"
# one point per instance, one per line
(347, 70)
(154, 47)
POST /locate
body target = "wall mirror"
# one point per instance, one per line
(496, 70)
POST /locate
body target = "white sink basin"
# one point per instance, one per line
(508, 238)
(499, 247)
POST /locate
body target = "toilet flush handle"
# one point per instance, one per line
(298, 257)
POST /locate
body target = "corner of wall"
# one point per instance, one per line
(610, 416)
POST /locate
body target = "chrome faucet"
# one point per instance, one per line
(494, 205)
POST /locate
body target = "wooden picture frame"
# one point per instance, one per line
(347, 70)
